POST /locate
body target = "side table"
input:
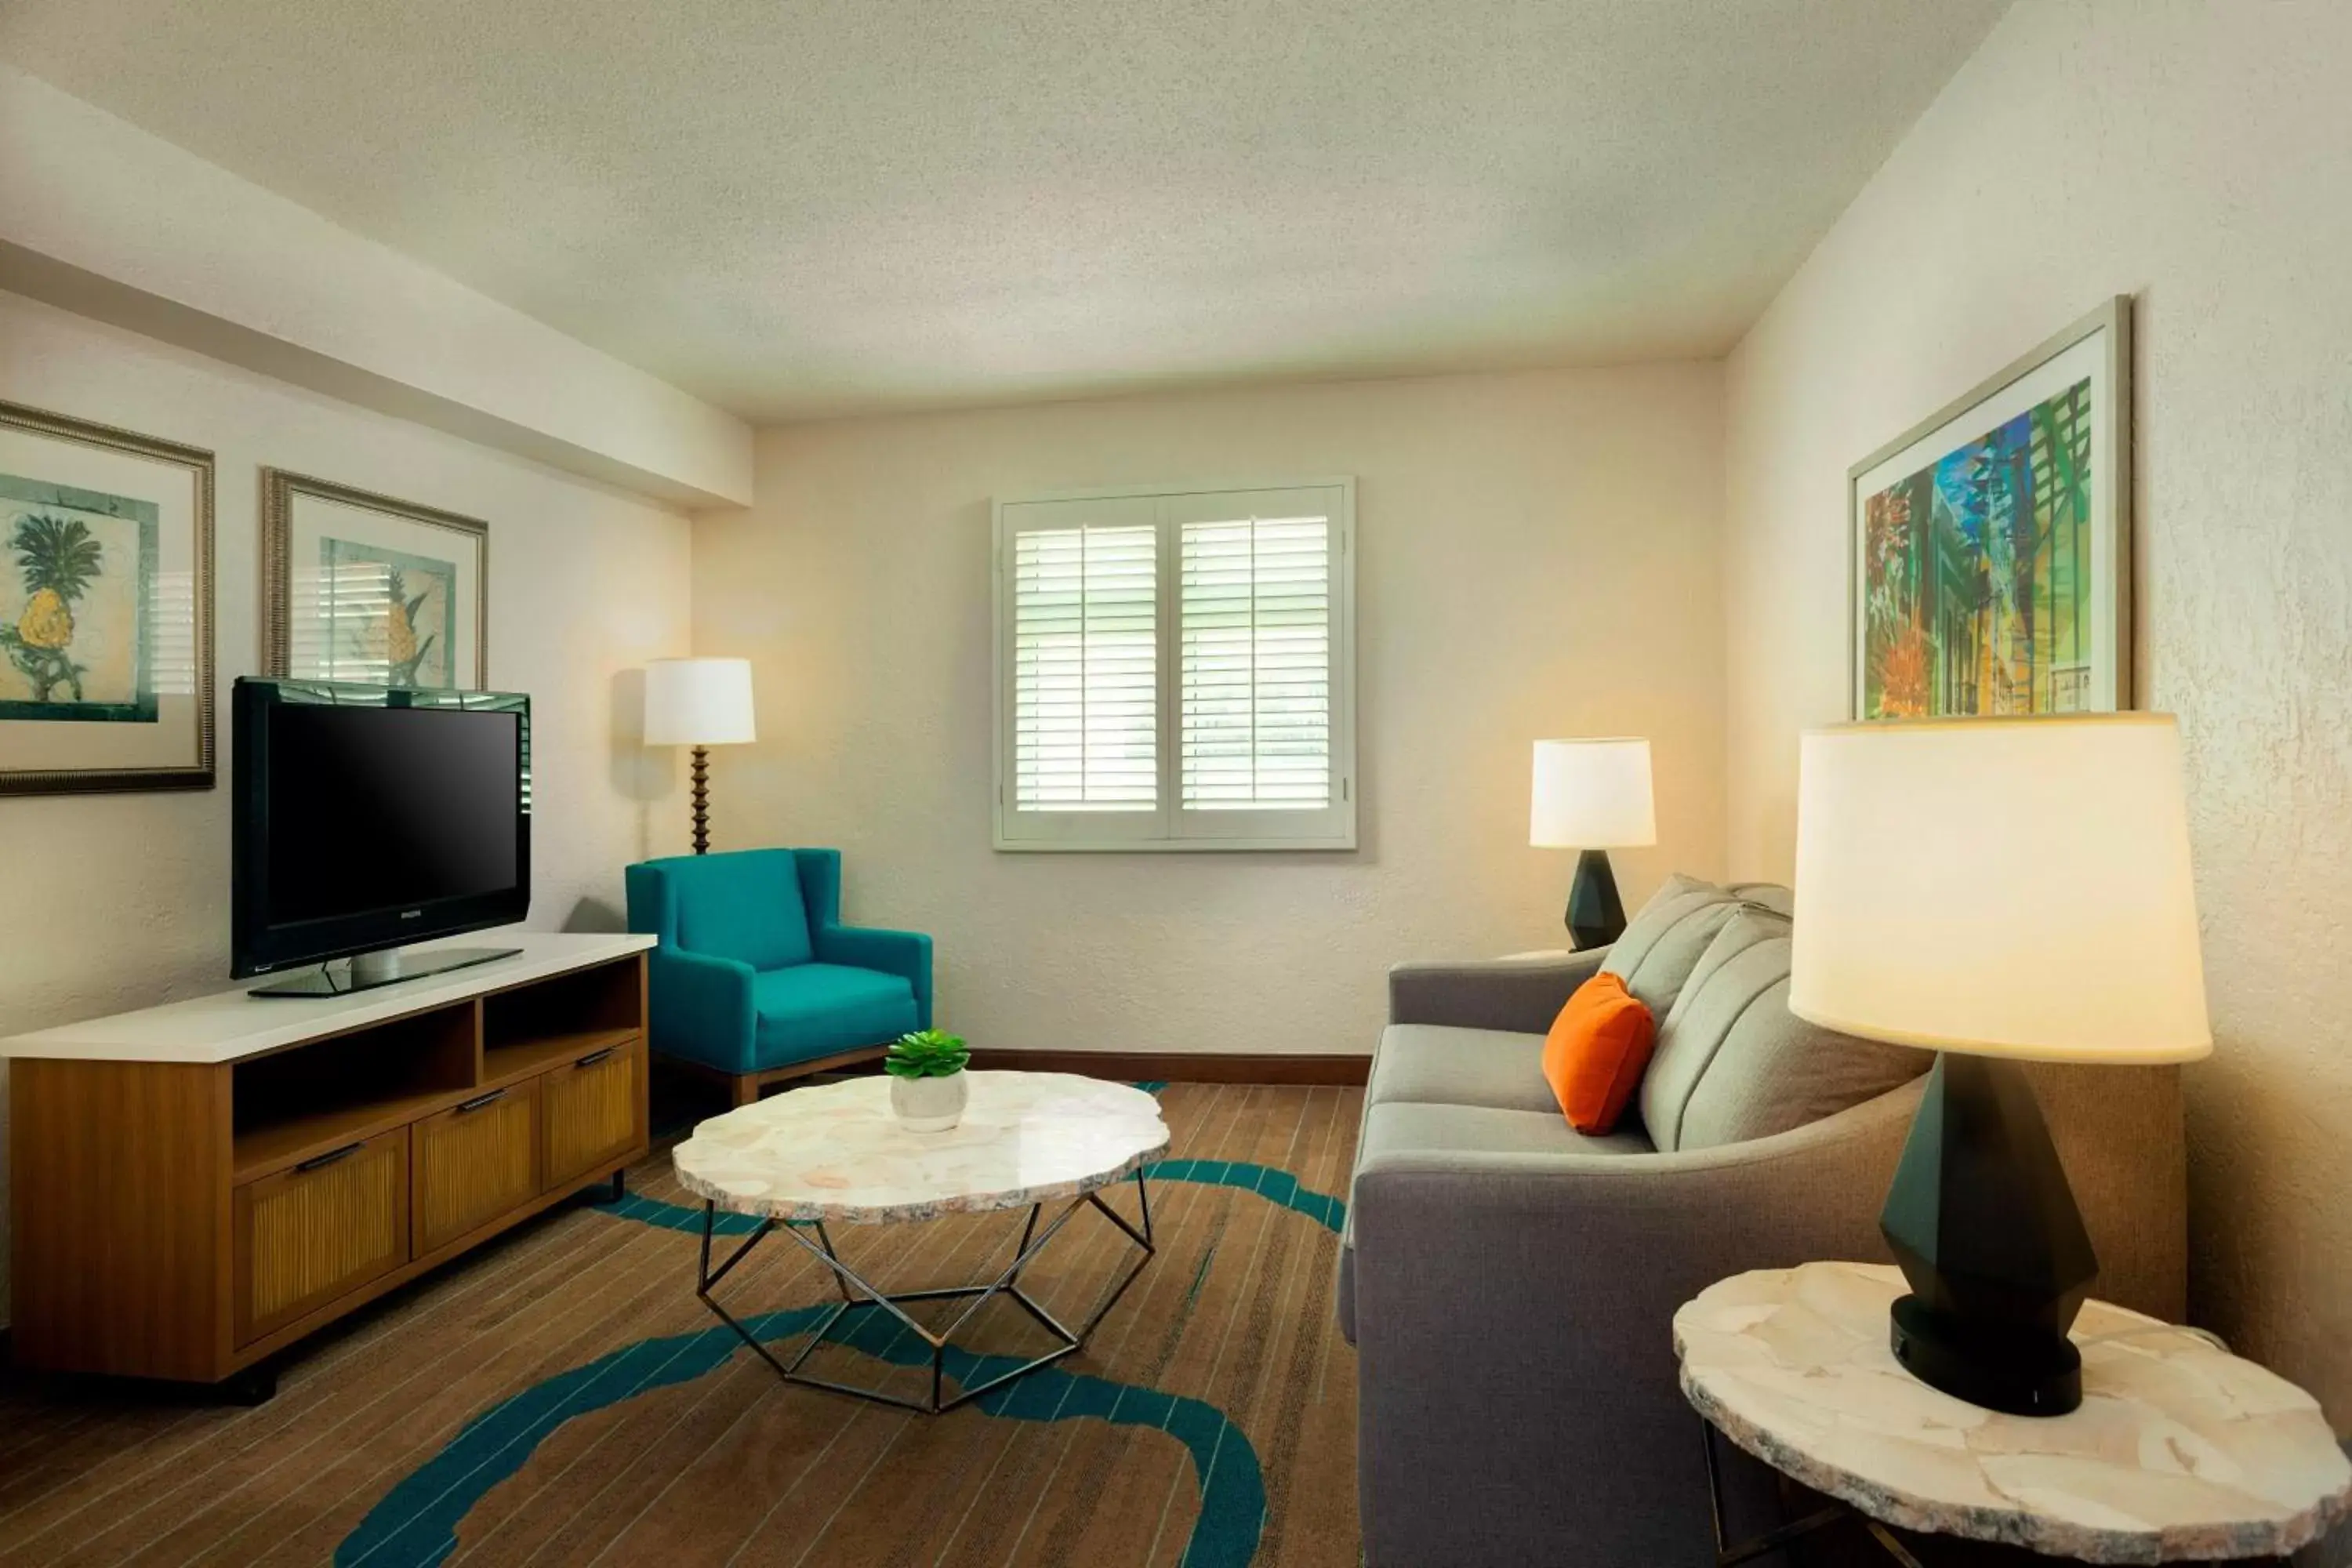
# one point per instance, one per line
(2181, 1452)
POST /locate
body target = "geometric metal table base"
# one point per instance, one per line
(1726, 1554)
(859, 1296)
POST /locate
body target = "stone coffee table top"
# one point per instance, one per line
(2179, 1451)
(836, 1152)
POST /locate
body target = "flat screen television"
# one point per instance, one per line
(366, 818)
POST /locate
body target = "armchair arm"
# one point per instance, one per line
(905, 954)
(1520, 994)
(701, 1007)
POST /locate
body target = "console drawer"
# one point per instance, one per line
(306, 1236)
(475, 1161)
(588, 1111)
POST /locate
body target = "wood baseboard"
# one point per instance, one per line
(1186, 1067)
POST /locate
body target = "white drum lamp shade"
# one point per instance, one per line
(1592, 795)
(2011, 888)
(698, 702)
(1997, 889)
(701, 703)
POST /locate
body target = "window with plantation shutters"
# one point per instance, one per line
(1175, 670)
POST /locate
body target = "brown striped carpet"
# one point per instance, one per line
(561, 1397)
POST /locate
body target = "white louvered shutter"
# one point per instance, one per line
(1175, 670)
(1257, 694)
(1084, 592)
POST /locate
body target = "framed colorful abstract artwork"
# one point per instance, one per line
(365, 588)
(1991, 545)
(106, 608)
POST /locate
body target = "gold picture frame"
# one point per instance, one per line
(106, 608)
(366, 587)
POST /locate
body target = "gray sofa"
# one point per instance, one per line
(1509, 1285)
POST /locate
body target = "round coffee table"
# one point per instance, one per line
(2180, 1451)
(834, 1152)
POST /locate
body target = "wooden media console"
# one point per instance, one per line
(196, 1186)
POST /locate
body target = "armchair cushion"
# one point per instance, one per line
(816, 1009)
(745, 906)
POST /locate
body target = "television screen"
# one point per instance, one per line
(386, 808)
(369, 818)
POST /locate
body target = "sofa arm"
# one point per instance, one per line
(701, 1008)
(905, 954)
(1520, 994)
(1518, 1389)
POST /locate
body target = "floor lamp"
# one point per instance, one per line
(701, 703)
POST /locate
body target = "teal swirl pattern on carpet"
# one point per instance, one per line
(416, 1523)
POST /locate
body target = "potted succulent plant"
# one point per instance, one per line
(927, 1082)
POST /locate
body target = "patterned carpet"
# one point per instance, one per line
(561, 1397)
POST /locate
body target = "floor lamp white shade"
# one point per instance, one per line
(698, 702)
(2007, 888)
(1592, 795)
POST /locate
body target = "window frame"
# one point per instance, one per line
(1168, 827)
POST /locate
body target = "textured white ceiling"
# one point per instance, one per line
(800, 208)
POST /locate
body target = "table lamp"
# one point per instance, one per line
(698, 702)
(1593, 796)
(1997, 890)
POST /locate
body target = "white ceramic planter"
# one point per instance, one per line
(928, 1104)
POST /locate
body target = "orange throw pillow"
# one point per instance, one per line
(1595, 1053)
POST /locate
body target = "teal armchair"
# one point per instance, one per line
(756, 979)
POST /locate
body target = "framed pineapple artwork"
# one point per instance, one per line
(106, 608)
(361, 587)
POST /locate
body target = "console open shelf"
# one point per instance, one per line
(524, 1058)
(310, 1100)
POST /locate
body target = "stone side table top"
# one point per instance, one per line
(2179, 1451)
(836, 1152)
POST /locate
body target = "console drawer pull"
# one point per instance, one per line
(592, 1058)
(317, 1161)
(479, 1101)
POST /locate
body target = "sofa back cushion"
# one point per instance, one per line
(1734, 1064)
(745, 905)
(1776, 897)
(1663, 943)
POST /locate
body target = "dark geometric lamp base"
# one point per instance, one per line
(1596, 915)
(1983, 1220)
(2026, 1374)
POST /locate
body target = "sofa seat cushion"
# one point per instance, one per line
(816, 1009)
(1437, 1064)
(1423, 1133)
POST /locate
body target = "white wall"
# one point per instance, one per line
(103, 218)
(2194, 155)
(1538, 556)
(116, 901)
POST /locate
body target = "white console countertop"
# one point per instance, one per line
(230, 1025)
